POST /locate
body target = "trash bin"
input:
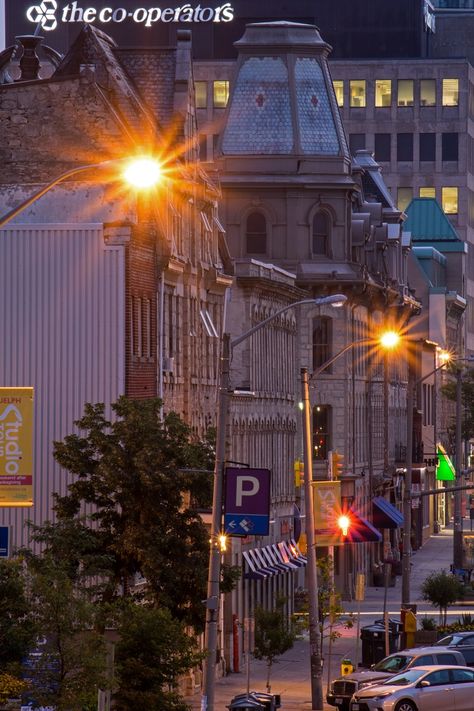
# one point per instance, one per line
(395, 628)
(245, 702)
(373, 644)
(255, 701)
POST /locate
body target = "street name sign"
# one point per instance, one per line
(247, 502)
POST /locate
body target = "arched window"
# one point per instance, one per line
(321, 431)
(256, 233)
(322, 341)
(320, 236)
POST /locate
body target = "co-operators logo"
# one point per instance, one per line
(45, 14)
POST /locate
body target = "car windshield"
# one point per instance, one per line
(450, 639)
(394, 663)
(407, 677)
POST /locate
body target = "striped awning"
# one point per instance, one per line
(281, 557)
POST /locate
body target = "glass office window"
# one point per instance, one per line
(382, 145)
(357, 93)
(428, 92)
(428, 192)
(427, 146)
(201, 94)
(339, 91)
(449, 146)
(405, 92)
(450, 92)
(404, 197)
(356, 142)
(449, 200)
(221, 94)
(383, 92)
(404, 146)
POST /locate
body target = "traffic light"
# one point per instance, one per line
(299, 472)
(337, 464)
(344, 523)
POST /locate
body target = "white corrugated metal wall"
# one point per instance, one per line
(62, 328)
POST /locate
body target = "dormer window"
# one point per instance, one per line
(256, 233)
(320, 236)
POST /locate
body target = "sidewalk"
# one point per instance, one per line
(291, 677)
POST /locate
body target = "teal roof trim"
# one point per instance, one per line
(428, 223)
(429, 253)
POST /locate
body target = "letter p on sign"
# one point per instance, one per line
(246, 486)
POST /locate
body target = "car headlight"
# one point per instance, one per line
(379, 695)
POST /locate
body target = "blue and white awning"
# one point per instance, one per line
(281, 557)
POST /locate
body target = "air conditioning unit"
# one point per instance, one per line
(168, 364)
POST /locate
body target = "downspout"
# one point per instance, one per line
(161, 325)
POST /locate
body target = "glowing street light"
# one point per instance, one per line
(344, 523)
(389, 339)
(143, 172)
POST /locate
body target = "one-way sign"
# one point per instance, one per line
(247, 502)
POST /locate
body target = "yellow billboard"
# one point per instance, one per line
(16, 446)
(327, 509)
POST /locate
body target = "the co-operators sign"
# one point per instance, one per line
(48, 15)
(247, 502)
(16, 446)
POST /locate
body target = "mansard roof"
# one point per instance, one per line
(283, 101)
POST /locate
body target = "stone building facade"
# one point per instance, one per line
(106, 292)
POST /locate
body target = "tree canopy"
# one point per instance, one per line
(126, 512)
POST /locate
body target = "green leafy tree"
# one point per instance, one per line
(274, 634)
(153, 651)
(131, 473)
(67, 667)
(442, 589)
(17, 629)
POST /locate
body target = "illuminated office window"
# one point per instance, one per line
(450, 92)
(405, 92)
(428, 92)
(201, 94)
(449, 200)
(428, 192)
(357, 93)
(383, 92)
(221, 94)
(339, 91)
(404, 197)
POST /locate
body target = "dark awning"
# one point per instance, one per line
(272, 560)
(361, 530)
(385, 514)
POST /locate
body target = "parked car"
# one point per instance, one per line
(341, 689)
(463, 641)
(427, 688)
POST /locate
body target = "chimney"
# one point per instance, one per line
(29, 62)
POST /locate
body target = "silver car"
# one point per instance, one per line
(429, 688)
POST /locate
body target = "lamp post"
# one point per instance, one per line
(140, 172)
(407, 496)
(212, 602)
(387, 340)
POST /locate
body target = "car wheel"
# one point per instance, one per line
(406, 705)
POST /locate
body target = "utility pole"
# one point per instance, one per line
(457, 533)
(316, 670)
(408, 484)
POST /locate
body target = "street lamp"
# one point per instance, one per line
(142, 172)
(386, 341)
(407, 496)
(212, 602)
